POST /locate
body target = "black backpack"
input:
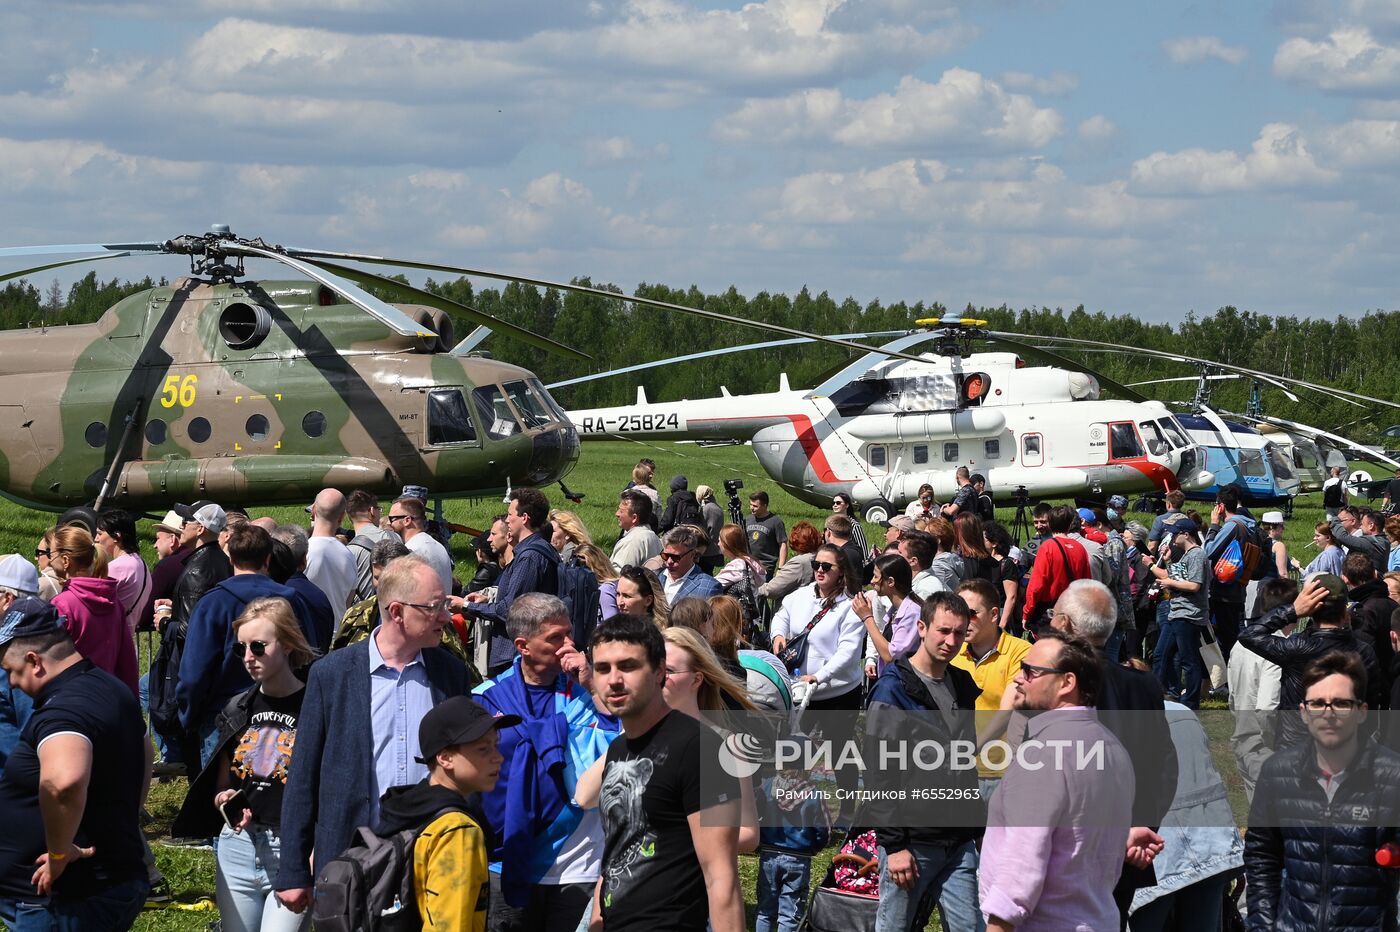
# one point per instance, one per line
(369, 887)
(578, 590)
(164, 677)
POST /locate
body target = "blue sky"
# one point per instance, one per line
(1135, 157)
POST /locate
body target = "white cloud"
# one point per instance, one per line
(1192, 50)
(962, 112)
(1057, 84)
(1364, 143)
(1278, 159)
(1098, 128)
(1350, 60)
(614, 150)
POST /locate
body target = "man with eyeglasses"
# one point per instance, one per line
(1321, 812)
(684, 579)
(211, 671)
(1055, 832)
(1324, 600)
(358, 731)
(409, 519)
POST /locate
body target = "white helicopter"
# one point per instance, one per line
(882, 427)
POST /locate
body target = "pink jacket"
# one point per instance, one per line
(96, 621)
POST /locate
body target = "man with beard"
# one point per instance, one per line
(670, 855)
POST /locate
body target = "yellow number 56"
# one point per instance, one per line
(178, 391)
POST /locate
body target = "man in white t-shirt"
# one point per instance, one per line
(329, 563)
(409, 519)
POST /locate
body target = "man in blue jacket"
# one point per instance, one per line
(545, 866)
(533, 568)
(211, 671)
(357, 734)
(683, 578)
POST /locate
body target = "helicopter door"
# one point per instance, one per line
(1032, 449)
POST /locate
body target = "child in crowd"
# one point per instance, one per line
(450, 881)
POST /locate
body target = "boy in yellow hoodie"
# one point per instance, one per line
(458, 743)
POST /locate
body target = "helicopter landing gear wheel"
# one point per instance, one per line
(877, 511)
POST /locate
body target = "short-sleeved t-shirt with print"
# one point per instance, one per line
(263, 754)
(652, 784)
(766, 537)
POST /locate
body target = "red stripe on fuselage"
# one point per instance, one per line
(806, 437)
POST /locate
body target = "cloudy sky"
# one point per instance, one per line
(1136, 157)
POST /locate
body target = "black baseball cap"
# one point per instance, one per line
(455, 721)
(28, 617)
(187, 511)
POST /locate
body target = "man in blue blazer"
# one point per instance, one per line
(357, 734)
(683, 579)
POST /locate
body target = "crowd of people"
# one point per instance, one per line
(542, 728)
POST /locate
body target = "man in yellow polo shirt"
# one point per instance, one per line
(993, 657)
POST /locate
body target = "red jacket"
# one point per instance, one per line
(96, 621)
(1059, 561)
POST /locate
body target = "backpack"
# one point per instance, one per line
(369, 886)
(578, 590)
(164, 677)
(689, 513)
(1239, 560)
(1259, 540)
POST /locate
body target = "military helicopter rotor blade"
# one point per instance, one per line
(1317, 433)
(1187, 378)
(419, 296)
(721, 351)
(393, 318)
(1270, 377)
(1227, 436)
(1011, 341)
(595, 292)
(58, 265)
(100, 249)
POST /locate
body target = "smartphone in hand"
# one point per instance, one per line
(232, 809)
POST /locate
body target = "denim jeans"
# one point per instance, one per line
(1179, 648)
(109, 909)
(783, 880)
(951, 873)
(1195, 908)
(247, 864)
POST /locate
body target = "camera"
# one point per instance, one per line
(732, 487)
(736, 509)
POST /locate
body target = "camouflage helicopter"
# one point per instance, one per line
(226, 388)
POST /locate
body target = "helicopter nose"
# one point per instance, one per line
(554, 454)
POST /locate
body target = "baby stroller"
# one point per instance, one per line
(849, 895)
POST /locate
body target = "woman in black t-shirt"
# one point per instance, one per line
(257, 731)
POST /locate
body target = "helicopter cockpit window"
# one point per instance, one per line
(495, 413)
(155, 432)
(1123, 441)
(448, 421)
(950, 452)
(1283, 471)
(1156, 444)
(314, 424)
(531, 409)
(921, 454)
(199, 430)
(1173, 432)
(96, 434)
(539, 391)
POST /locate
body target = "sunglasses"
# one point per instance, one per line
(40, 552)
(672, 557)
(821, 566)
(257, 647)
(1031, 671)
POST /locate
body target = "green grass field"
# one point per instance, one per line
(603, 471)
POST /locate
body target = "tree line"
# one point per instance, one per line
(1345, 353)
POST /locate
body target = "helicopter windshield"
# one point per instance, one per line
(540, 392)
(1156, 444)
(1283, 471)
(532, 410)
(448, 421)
(1173, 432)
(491, 406)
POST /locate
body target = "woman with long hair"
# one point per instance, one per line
(50, 583)
(803, 541)
(697, 685)
(92, 613)
(821, 616)
(972, 545)
(569, 533)
(116, 535)
(600, 565)
(727, 632)
(693, 613)
(734, 545)
(639, 592)
(894, 581)
(257, 740)
(1330, 554)
(641, 481)
(843, 504)
(1008, 574)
